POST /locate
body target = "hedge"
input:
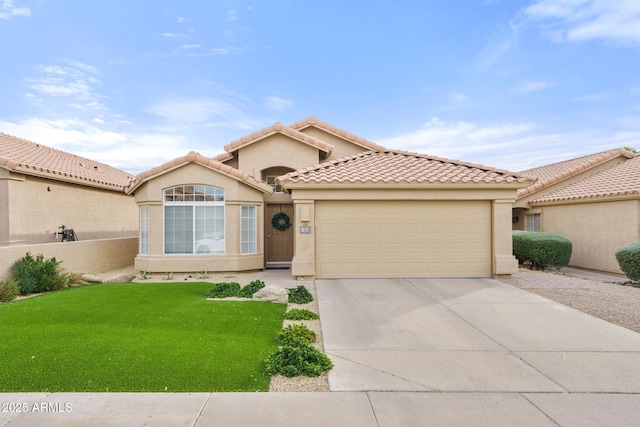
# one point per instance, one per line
(629, 260)
(541, 250)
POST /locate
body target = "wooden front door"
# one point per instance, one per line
(279, 242)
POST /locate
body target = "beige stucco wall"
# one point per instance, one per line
(36, 207)
(86, 256)
(595, 229)
(236, 194)
(276, 150)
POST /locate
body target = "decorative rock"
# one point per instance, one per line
(123, 278)
(273, 293)
(91, 278)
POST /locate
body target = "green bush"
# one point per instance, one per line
(300, 314)
(224, 290)
(294, 334)
(35, 275)
(9, 290)
(297, 360)
(629, 260)
(299, 295)
(250, 289)
(541, 250)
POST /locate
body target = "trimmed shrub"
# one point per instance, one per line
(224, 290)
(37, 274)
(541, 250)
(298, 360)
(300, 314)
(295, 334)
(250, 289)
(299, 295)
(9, 290)
(629, 260)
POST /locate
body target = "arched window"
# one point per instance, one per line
(194, 220)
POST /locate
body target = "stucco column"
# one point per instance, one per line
(304, 252)
(504, 263)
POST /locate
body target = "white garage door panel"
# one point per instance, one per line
(403, 239)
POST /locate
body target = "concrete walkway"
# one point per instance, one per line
(409, 352)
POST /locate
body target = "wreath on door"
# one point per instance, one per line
(281, 221)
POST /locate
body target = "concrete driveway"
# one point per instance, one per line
(471, 344)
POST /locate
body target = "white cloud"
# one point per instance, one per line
(276, 103)
(617, 21)
(8, 10)
(531, 86)
(513, 146)
(496, 46)
(194, 110)
(133, 152)
(76, 81)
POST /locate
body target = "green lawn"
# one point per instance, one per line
(136, 337)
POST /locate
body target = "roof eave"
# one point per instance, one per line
(68, 179)
(631, 195)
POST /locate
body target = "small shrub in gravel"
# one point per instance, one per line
(224, 290)
(300, 314)
(300, 295)
(541, 250)
(9, 290)
(250, 289)
(298, 360)
(294, 334)
(629, 260)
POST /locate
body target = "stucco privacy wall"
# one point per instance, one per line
(36, 207)
(236, 194)
(578, 222)
(86, 256)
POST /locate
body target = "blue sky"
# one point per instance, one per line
(507, 83)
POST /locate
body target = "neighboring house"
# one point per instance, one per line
(328, 203)
(42, 189)
(593, 200)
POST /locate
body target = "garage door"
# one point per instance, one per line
(403, 239)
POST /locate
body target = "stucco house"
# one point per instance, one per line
(327, 203)
(42, 188)
(593, 200)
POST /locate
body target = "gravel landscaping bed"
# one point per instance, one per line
(615, 303)
(280, 383)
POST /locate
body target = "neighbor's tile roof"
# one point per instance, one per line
(312, 121)
(551, 174)
(30, 158)
(400, 167)
(194, 157)
(619, 180)
(278, 128)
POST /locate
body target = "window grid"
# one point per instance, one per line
(533, 222)
(144, 230)
(248, 230)
(194, 220)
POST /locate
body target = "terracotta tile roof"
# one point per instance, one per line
(278, 128)
(551, 174)
(312, 121)
(400, 167)
(619, 180)
(30, 158)
(223, 157)
(194, 157)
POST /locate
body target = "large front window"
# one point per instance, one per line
(144, 230)
(194, 220)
